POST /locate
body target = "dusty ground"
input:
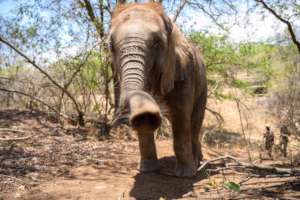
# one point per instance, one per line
(69, 163)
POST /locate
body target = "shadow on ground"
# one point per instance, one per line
(163, 184)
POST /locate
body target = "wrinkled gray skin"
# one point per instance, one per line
(159, 68)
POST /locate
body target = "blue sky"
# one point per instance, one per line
(243, 26)
(6, 6)
(256, 29)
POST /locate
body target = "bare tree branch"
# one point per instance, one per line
(91, 13)
(179, 9)
(38, 100)
(218, 116)
(33, 63)
(237, 101)
(77, 71)
(280, 18)
(214, 17)
(108, 7)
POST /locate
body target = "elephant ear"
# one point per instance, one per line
(108, 41)
(168, 70)
(177, 58)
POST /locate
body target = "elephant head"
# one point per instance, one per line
(142, 45)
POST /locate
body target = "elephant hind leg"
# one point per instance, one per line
(197, 120)
(185, 166)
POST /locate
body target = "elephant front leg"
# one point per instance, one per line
(185, 166)
(197, 120)
(149, 162)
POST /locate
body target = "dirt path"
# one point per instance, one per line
(70, 164)
(90, 182)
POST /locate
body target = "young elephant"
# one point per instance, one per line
(158, 66)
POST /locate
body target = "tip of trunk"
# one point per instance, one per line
(147, 121)
(144, 112)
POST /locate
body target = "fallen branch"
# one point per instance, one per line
(270, 180)
(211, 161)
(16, 180)
(12, 130)
(246, 179)
(17, 139)
(259, 167)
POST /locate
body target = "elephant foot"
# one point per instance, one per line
(149, 166)
(185, 171)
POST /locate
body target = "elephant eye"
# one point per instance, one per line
(111, 45)
(156, 43)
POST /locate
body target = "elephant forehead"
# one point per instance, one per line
(142, 13)
(138, 20)
(135, 29)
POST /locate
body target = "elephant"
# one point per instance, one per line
(161, 74)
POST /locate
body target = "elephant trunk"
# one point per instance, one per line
(144, 113)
